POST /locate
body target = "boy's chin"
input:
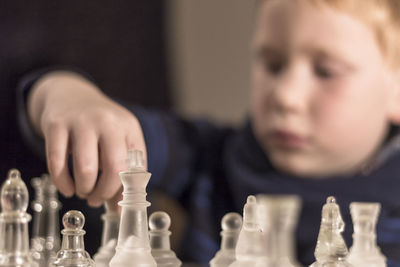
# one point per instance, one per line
(301, 167)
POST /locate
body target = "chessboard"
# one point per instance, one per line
(263, 236)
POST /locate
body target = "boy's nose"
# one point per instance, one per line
(291, 93)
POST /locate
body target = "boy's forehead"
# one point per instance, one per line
(285, 21)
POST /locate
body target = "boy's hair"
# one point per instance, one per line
(383, 16)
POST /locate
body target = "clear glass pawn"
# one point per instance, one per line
(133, 247)
(364, 251)
(109, 238)
(250, 247)
(159, 223)
(14, 237)
(72, 252)
(280, 214)
(231, 224)
(45, 240)
(331, 249)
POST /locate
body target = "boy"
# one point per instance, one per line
(325, 100)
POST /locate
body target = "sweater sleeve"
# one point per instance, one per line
(179, 150)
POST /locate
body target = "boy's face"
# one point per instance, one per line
(322, 94)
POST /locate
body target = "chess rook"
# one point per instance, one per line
(231, 224)
(72, 252)
(14, 237)
(159, 223)
(364, 251)
(133, 248)
(45, 240)
(279, 216)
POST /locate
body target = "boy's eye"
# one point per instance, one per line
(330, 68)
(274, 66)
(324, 72)
(271, 60)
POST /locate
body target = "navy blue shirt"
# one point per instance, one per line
(211, 170)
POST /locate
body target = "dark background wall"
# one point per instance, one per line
(119, 43)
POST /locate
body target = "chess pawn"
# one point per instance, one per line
(365, 251)
(133, 247)
(231, 224)
(250, 246)
(331, 249)
(109, 238)
(14, 238)
(279, 219)
(45, 240)
(159, 223)
(72, 252)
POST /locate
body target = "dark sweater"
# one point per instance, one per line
(212, 171)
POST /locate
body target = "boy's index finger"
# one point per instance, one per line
(113, 152)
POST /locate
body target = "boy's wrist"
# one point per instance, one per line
(35, 103)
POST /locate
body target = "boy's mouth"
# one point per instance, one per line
(288, 139)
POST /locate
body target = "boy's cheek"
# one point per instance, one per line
(259, 98)
(260, 124)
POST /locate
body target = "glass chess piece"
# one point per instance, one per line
(14, 237)
(109, 237)
(331, 249)
(250, 247)
(133, 246)
(72, 252)
(279, 219)
(159, 223)
(364, 251)
(231, 224)
(45, 240)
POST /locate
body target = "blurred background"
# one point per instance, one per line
(208, 44)
(189, 55)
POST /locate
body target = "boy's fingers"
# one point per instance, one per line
(113, 152)
(85, 161)
(56, 139)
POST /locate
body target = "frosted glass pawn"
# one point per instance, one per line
(72, 252)
(14, 237)
(109, 237)
(365, 251)
(159, 223)
(45, 240)
(331, 249)
(231, 224)
(133, 237)
(250, 247)
(280, 215)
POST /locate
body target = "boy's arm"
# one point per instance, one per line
(72, 115)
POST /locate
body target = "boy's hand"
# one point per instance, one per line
(75, 117)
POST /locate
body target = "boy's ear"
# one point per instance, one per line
(394, 109)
